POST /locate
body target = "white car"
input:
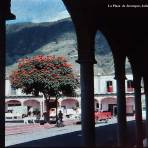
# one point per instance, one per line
(10, 116)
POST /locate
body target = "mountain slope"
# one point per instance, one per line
(56, 38)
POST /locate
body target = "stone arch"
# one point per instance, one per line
(129, 85)
(13, 102)
(128, 68)
(130, 105)
(70, 103)
(131, 25)
(103, 54)
(109, 104)
(109, 100)
(32, 104)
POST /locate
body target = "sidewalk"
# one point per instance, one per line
(19, 128)
(36, 135)
(70, 136)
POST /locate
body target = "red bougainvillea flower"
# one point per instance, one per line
(46, 74)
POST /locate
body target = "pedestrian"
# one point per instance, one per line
(60, 116)
(60, 119)
(38, 117)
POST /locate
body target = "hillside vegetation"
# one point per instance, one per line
(55, 38)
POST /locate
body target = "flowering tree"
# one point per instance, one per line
(48, 75)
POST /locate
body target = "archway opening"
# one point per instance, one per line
(13, 103)
(70, 106)
(129, 89)
(109, 104)
(32, 105)
(9, 105)
(103, 56)
(70, 103)
(96, 104)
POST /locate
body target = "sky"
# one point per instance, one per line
(38, 10)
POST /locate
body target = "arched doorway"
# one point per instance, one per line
(69, 103)
(103, 55)
(130, 105)
(11, 103)
(70, 106)
(109, 104)
(96, 104)
(32, 105)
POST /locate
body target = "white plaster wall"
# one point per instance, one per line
(99, 85)
(103, 80)
(6, 107)
(96, 85)
(105, 107)
(7, 88)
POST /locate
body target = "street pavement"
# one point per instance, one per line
(20, 128)
(67, 136)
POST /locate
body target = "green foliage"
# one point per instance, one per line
(49, 75)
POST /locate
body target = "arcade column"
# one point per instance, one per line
(5, 14)
(121, 101)
(86, 59)
(146, 103)
(138, 110)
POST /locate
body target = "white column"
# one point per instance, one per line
(6, 106)
(44, 109)
(59, 101)
(22, 103)
(41, 108)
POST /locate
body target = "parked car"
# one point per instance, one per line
(99, 116)
(12, 116)
(77, 117)
(102, 116)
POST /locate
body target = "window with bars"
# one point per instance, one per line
(109, 86)
(130, 85)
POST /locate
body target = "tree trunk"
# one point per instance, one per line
(47, 113)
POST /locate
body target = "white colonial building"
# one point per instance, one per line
(105, 97)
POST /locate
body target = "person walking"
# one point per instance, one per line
(60, 119)
(60, 116)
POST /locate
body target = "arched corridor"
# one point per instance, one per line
(32, 105)
(69, 103)
(125, 36)
(126, 31)
(11, 103)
